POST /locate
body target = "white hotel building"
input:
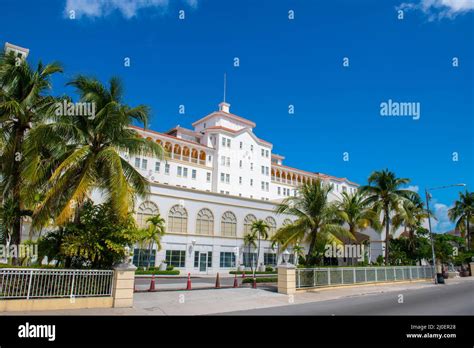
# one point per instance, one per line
(217, 179)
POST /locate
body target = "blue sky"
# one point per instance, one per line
(283, 62)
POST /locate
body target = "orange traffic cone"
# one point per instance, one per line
(188, 285)
(236, 283)
(254, 285)
(218, 282)
(152, 283)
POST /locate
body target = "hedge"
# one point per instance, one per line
(156, 272)
(250, 273)
(260, 280)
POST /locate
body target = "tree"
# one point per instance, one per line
(384, 194)
(250, 240)
(92, 157)
(316, 219)
(462, 213)
(153, 233)
(410, 214)
(24, 104)
(260, 229)
(298, 250)
(96, 240)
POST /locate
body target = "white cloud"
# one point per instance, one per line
(442, 222)
(438, 9)
(127, 8)
(414, 188)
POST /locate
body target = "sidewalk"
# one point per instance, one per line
(216, 301)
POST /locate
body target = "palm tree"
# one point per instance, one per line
(23, 105)
(298, 250)
(354, 210)
(384, 194)
(250, 240)
(260, 229)
(462, 213)
(92, 157)
(410, 215)
(316, 218)
(153, 234)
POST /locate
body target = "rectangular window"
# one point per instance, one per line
(251, 147)
(267, 186)
(137, 162)
(157, 167)
(263, 170)
(193, 174)
(251, 166)
(196, 259)
(144, 164)
(263, 152)
(240, 164)
(227, 163)
(240, 180)
(228, 142)
(167, 168)
(344, 189)
(241, 145)
(269, 259)
(267, 171)
(222, 160)
(263, 185)
(223, 141)
(250, 258)
(209, 259)
(267, 153)
(222, 177)
(185, 172)
(227, 178)
(208, 177)
(279, 190)
(251, 182)
(140, 257)
(179, 171)
(227, 260)
(176, 258)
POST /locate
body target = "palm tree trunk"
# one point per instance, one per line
(258, 255)
(150, 249)
(312, 246)
(468, 234)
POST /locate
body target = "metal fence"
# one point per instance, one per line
(315, 277)
(49, 283)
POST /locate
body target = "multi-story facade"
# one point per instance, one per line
(215, 181)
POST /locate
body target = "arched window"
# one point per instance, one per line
(177, 219)
(287, 222)
(249, 219)
(272, 226)
(145, 211)
(229, 224)
(205, 222)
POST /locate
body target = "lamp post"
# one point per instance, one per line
(429, 222)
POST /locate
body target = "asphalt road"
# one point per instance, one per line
(454, 299)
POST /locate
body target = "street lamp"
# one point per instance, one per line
(428, 196)
(286, 256)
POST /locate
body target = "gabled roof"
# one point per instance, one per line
(226, 115)
(235, 132)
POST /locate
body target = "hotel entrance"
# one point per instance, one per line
(202, 261)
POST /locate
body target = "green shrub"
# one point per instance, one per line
(157, 272)
(250, 272)
(269, 269)
(169, 267)
(260, 280)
